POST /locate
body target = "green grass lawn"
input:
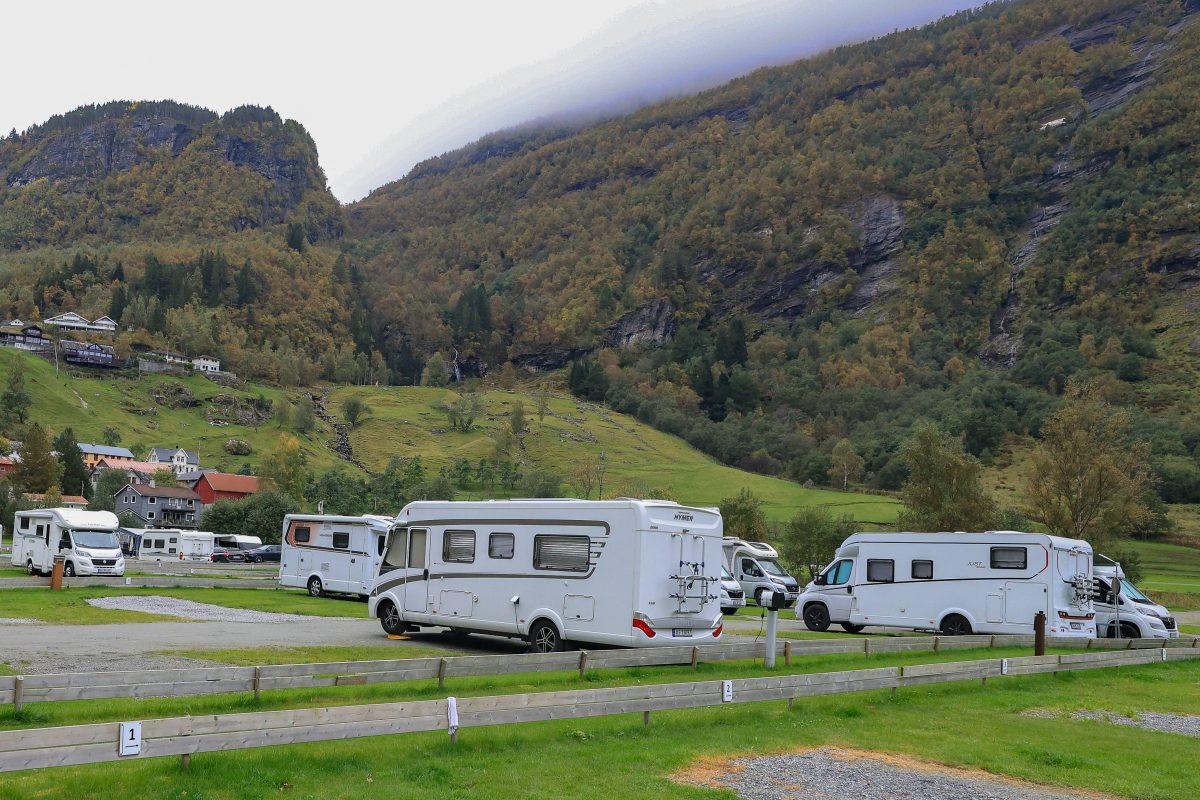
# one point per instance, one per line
(70, 607)
(406, 422)
(1171, 573)
(549, 759)
(12, 572)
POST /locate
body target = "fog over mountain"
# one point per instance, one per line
(651, 52)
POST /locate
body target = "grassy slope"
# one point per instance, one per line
(91, 404)
(547, 760)
(407, 422)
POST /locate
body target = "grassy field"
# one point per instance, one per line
(407, 422)
(70, 606)
(91, 404)
(547, 760)
(1169, 568)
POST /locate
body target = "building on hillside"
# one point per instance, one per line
(29, 338)
(169, 361)
(214, 486)
(69, 321)
(88, 354)
(176, 459)
(93, 453)
(171, 357)
(104, 325)
(160, 506)
(67, 501)
(191, 477)
(6, 465)
(206, 364)
(134, 471)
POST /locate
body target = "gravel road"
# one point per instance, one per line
(833, 774)
(188, 609)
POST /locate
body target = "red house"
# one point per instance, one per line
(6, 466)
(214, 486)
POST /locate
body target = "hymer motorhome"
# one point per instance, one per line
(956, 583)
(330, 553)
(633, 573)
(87, 541)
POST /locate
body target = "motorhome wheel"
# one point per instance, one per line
(32, 569)
(544, 638)
(816, 617)
(1128, 631)
(851, 628)
(956, 625)
(314, 586)
(69, 570)
(389, 618)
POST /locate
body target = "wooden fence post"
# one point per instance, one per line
(787, 653)
(695, 656)
(646, 718)
(441, 673)
(582, 662)
(937, 640)
(18, 692)
(258, 683)
(867, 648)
(185, 762)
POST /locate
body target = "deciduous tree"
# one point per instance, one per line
(944, 490)
(847, 464)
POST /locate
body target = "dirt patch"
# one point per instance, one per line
(830, 773)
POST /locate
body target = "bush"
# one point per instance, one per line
(541, 483)
(237, 447)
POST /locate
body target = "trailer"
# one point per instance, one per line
(326, 553)
(87, 541)
(955, 583)
(631, 573)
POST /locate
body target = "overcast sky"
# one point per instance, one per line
(383, 85)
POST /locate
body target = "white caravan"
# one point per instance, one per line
(755, 566)
(87, 540)
(623, 572)
(235, 541)
(153, 544)
(196, 545)
(330, 553)
(1139, 617)
(956, 583)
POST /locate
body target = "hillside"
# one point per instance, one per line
(948, 222)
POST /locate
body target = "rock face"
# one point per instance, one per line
(651, 324)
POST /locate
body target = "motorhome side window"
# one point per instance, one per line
(458, 547)
(341, 539)
(568, 553)
(301, 534)
(501, 545)
(1009, 558)
(24, 523)
(922, 570)
(881, 570)
(839, 573)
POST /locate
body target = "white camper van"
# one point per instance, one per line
(1137, 617)
(623, 572)
(755, 565)
(150, 544)
(86, 539)
(956, 583)
(330, 553)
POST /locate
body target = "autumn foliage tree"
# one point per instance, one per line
(944, 490)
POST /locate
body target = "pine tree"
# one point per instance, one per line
(74, 473)
(38, 470)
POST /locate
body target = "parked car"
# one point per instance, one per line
(268, 552)
(226, 555)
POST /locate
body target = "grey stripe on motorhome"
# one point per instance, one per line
(383, 586)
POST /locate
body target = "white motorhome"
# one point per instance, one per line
(87, 540)
(633, 573)
(150, 544)
(331, 553)
(1137, 617)
(196, 545)
(755, 565)
(956, 583)
(236, 541)
(731, 593)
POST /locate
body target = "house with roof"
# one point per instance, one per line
(104, 325)
(93, 453)
(214, 486)
(70, 321)
(6, 465)
(88, 354)
(65, 501)
(175, 459)
(134, 471)
(160, 506)
(206, 364)
(29, 338)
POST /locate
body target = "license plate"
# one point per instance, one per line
(1075, 626)
(681, 632)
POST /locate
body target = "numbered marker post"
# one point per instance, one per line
(131, 739)
(726, 691)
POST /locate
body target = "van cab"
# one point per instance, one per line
(1138, 617)
(755, 566)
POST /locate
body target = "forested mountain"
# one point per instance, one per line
(947, 222)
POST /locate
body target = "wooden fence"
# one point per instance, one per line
(183, 736)
(22, 689)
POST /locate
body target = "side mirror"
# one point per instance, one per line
(819, 580)
(64, 543)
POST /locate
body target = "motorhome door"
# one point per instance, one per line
(416, 588)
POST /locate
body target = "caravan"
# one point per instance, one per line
(619, 572)
(87, 541)
(956, 583)
(330, 553)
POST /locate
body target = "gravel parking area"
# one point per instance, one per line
(18, 621)
(47, 663)
(1147, 720)
(170, 606)
(837, 774)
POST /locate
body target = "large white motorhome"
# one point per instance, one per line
(1137, 616)
(331, 553)
(633, 573)
(755, 565)
(956, 583)
(87, 540)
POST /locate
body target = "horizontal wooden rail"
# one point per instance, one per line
(84, 744)
(222, 680)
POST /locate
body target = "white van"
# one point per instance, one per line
(755, 565)
(956, 583)
(731, 593)
(331, 553)
(86, 539)
(622, 572)
(1139, 617)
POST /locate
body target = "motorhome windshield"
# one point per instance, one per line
(771, 567)
(1133, 593)
(725, 574)
(100, 540)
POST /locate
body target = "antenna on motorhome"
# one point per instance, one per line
(320, 506)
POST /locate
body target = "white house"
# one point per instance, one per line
(206, 364)
(69, 320)
(104, 325)
(171, 357)
(176, 459)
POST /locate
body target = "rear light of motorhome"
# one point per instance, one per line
(642, 626)
(717, 631)
(1065, 615)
